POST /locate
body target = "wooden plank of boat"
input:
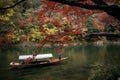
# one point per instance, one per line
(16, 65)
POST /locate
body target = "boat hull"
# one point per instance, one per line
(35, 63)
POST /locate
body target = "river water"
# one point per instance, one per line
(85, 62)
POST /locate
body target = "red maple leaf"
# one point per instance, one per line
(57, 23)
(42, 30)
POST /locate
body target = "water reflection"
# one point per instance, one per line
(82, 60)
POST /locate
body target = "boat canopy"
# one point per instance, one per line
(38, 56)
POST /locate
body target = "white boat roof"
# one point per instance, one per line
(38, 56)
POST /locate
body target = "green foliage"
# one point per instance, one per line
(91, 29)
(90, 26)
(89, 22)
(110, 28)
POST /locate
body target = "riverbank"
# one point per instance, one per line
(99, 43)
(73, 43)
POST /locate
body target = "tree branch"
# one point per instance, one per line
(12, 5)
(112, 10)
(99, 2)
(87, 6)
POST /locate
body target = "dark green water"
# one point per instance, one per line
(82, 64)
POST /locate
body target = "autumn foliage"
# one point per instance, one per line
(56, 23)
(74, 17)
(66, 18)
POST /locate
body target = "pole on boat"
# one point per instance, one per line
(59, 50)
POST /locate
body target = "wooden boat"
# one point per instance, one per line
(35, 62)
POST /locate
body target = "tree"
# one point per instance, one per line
(74, 13)
(67, 20)
(14, 15)
(64, 18)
